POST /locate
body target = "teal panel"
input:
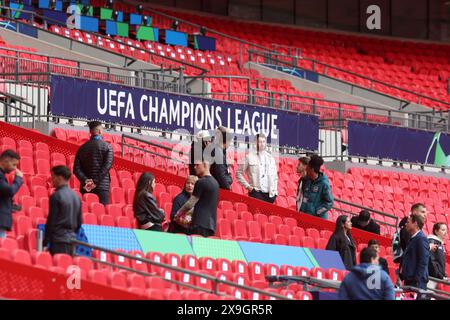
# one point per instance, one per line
(276, 254)
(153, 241)
(215, 248)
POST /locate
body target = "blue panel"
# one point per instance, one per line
(135, 19)
(55, 16)
(86, 23)
(276, 254)
(206, 43)
(119, 16)
(112, 238)
(59, 6)
(44, 4)
(176, 38)
(28, 30)
(111, 27)
(328, 259)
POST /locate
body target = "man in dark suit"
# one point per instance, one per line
(365, 222)
(414, 265)
(218, 150)
(92, 163)
(8, 163)
(64, 218)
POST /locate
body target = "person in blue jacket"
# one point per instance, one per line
(317, 196)
(367, 280)
(9, 160)
(414, 265)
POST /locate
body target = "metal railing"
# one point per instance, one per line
(273, 58)
(168, 61)
(215, 281)
(31, 68)
(16, 110)
(392, 226)
(149, 154)
(284, 281)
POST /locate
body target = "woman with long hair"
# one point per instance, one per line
(146, 210)
(436, 266)
(341, 241)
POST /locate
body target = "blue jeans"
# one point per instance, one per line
(2, 233)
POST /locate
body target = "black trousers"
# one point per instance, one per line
(65, 248)
(203, 232)
(155, 227)
(176, 228)
(262, 196)
(103, 195)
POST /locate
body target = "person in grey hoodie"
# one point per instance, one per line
(367, 281)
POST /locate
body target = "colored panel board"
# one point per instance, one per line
(217, 249)
(87, 23)
(111, 237)
(276, 254)
(106, 14)
(135, 19)
(111, 28)
(122, 29)
(44, 4)
(28, 30)
(152, 241)
(176, 38)
(147, 33)
(328, 259)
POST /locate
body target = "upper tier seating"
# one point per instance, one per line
(418, 67)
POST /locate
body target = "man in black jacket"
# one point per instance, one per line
(93, 161)
(8, 163)
(218, 150)
(64, 218)
(364, 222)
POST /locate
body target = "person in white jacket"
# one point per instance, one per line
(261, 170)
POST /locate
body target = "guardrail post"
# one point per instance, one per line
(182, 81)
(108, 72)
(229, 88)
(123, 145)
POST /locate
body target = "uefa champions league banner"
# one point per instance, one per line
(397, 143)
(151, 109)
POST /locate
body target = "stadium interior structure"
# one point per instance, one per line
(338, 77)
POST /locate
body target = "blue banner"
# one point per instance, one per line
(397, 143)
(151, 109)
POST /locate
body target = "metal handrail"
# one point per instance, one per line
(96, 35)
(401, 163)
(215, 280)
(327, 66)
(79, 62)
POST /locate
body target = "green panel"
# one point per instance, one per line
(152, 241)
(106, 14)
(311, 257)
(122, 29)
(145, 33)
(195, 42)
(215, 248)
